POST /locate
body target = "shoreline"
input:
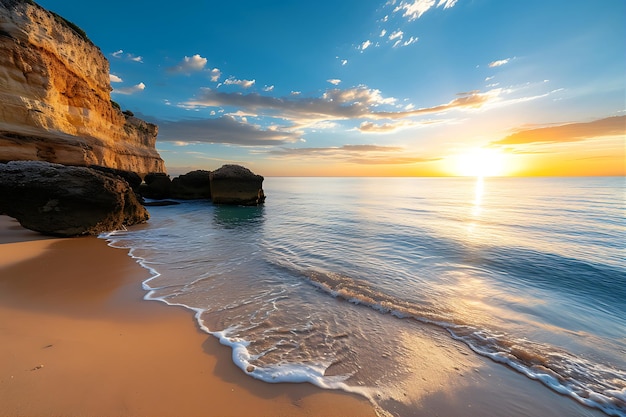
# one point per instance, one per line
(79, 339)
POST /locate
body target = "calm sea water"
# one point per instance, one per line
(331, 274)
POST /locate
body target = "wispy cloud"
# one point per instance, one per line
(416, 8)
(115, 79)
(409, 41)
(356, 154)
(334, 81)
(499, 63)
(240, 83)
(370, 127)
(571, 132)
(396, 35)
(335, 104)
(127, 56)
(366, 44)
(225, 130)
(190, 64)
(130, 90)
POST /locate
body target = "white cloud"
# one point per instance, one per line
(344, 62)
(365, 45)
(130, 90)
(499, 63)
(115, 79)
(191, 64)
(410, 41)
(130, 57)
(268, 88)
(446, 3)
(360, 95)
(383, 33)
(398, 37)
(416, 8)
(215, 74)
(241, 83)
(334, 81)
(395, 35)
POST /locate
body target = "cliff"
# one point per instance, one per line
(55, 94)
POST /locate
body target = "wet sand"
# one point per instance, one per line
(77, 339)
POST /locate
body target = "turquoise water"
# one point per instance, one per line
(331, 273)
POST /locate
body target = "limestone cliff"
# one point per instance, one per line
(55, 102)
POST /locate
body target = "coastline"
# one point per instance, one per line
(78, 339)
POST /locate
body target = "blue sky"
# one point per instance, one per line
(406, 87)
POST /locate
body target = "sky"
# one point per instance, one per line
(370, 87)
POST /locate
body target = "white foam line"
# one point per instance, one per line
(283, 373)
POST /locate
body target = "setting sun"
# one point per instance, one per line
(481, 162)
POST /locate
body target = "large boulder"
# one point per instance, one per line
(156, 185)
(192, 185)
(234, 184)
(66, 201)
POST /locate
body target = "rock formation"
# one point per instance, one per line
(192, 185)
(156, 186)
(55, 94)
(67, 201)
(234, 184)
(230, 184)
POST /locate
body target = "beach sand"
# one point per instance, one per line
(77, 339)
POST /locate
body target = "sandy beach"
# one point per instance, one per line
(79, 340)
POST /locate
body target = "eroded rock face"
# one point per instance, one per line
(234, 184)
(55, 95)
(67, 201)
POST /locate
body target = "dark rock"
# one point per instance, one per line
(193, 185)
(234, 184)
(132, 178)
(67, 201)
(156, 186)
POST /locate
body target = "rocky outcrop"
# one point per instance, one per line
(67, 201)
(192, 185)
(230, 184)
(55, 95)
(234, 184)
(156, 186)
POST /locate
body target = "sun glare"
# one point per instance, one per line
(481, 162)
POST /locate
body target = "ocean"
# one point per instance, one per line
(330, 280)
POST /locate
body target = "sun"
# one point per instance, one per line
(481, 162)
